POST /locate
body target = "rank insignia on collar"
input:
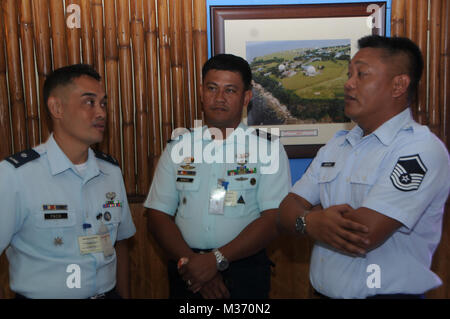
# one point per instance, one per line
(58, 241)
(408, 173)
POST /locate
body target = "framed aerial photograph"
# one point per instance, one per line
(299, 56)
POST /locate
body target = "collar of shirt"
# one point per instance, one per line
(59, 162)
(386, 133)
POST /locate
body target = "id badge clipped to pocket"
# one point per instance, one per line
(217, 199)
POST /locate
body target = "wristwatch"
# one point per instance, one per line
(300, 224)
(222, 262)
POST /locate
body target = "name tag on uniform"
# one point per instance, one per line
(328, 164)
(97, 243)
(231, 198)
(56, 216)
(90, 244)
(185, 180)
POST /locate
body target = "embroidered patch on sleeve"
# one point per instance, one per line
(408, 173)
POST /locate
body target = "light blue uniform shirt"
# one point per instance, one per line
(402, 171)
(41, 249)
(174, 191)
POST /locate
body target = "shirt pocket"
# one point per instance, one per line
(245, 186)
(361, 182)
(189, 196)
(55, 233)
(111, 217)
(328, 177)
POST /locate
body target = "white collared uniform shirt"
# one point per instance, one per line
(45, 203)
(402, 171)
(184, 190)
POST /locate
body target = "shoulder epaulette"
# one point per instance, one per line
(106, 157)
(23, 157)
(264, 134)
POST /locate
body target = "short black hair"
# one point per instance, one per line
(395, 46)
(230, 62)
(66, 75)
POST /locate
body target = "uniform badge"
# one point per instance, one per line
(58, 241)
(241, 200)
(408, 173)
(107, 216)
(110, 195)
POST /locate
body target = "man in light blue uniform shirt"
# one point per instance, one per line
(215, 192)
(388, 173)
(64, 206)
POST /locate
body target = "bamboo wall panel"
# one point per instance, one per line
(43, 57)
(433, 104)
(14, 74)
(137, 31)
(164, 69)
(58, 33)
(200, 47)
(30, 90)
(189, 70)
(126, 92)
(151, 39)
(422, 37)
(112, 81)
(73, 35)
(5, 127)
(86, 32)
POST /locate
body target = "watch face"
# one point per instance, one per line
(223, 265)
(300, 225)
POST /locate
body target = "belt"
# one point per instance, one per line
(112, 294)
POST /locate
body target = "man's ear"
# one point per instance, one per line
(55, 107)
(247, 97)
(400, 85)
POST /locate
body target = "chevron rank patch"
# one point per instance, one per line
(408, 173)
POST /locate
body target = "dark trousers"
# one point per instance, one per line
(248, 278)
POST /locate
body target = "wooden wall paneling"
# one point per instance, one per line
(445, 71)
(290, 275)
(112, 81)
(43, 57)
(73, 34)
(29, 79)
(441, 259)
(434, 111)
(421, 114)
(58, 30)
(151, 46)
(177, 63)
(140, 96)
(189, 66)
(5, 126)
(99, 54)
(164, 68)
(126, 92)
(200, 47)
(148, 262)
(10, 16)
(98, 35)
(87, 46)
(398, 18)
